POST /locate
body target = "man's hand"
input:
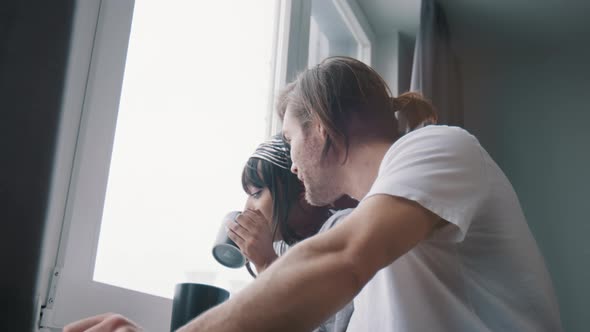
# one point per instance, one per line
(103, 323)
(323, 273)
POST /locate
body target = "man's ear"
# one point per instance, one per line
(322, 131)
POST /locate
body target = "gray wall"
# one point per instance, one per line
(385, 57)
(393, 57)
(530, 107)
(404, 62)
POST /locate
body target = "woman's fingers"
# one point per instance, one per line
(233, 232)
(245, 220)
(239, 226)
(253, 235)
(256, 212)
(253, 220)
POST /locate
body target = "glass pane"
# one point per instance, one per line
(328, 33)
(194, 105)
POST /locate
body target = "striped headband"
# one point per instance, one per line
(275, 151)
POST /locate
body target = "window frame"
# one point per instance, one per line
(72, 294)
(358, 25)
(100, 37)
(292, 45)
(352, 23)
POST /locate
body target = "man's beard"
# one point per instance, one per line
(320, 197)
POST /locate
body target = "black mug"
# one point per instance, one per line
(191, 300)
(225, 251)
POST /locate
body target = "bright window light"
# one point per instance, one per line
(195, 104)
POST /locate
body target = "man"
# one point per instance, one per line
(437, 243)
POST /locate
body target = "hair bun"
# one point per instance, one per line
(413, 111)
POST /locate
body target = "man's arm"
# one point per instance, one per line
(320, 275)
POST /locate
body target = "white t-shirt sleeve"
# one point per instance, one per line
(442, 169)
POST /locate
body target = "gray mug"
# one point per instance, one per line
(225, 251)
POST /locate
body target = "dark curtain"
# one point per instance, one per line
(435, 72)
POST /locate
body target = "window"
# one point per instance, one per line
(194, 105)
(335, 29)
(164, 103)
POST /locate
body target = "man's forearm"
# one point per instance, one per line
(262, 267)
(296, 293)
(320, 275)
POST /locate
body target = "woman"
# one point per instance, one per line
(276, 211)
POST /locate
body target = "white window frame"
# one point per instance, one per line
(354, 25)
(100, 38)
(72, 293)
(358, 25)
(293, 44)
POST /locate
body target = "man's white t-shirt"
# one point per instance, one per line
(482, 271)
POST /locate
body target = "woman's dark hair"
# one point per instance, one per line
(285, 188)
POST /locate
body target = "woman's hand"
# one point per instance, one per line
(253, 234)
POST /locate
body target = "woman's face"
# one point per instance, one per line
(303, 218)
(260, 199)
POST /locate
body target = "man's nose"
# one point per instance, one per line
(293, 168)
